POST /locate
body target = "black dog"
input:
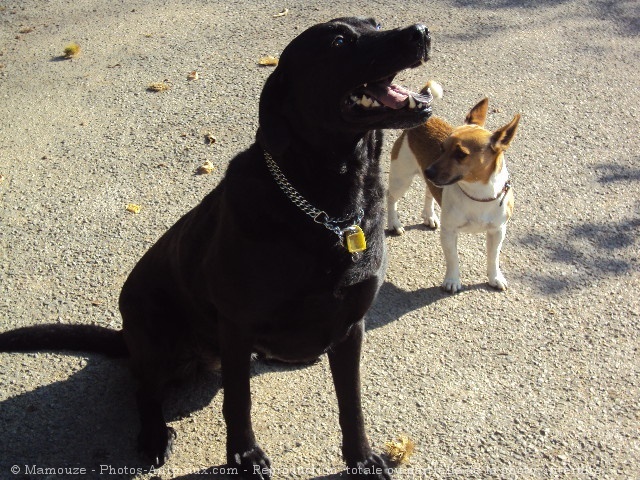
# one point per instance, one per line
(273, 259)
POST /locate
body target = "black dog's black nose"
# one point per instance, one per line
(421, 32)
(419, 35)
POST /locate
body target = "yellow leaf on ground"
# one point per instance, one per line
(206, 168)
(72, 50)
(268, 60)
(400, 451)
(158, 87)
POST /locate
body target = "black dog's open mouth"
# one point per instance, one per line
(384, 94)
(384, 104)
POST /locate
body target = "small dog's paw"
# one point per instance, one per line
(157, 445)
(252, 464)
(431, 221)
(451, 285)
(396, 228)
(372, 468)
(498, 282)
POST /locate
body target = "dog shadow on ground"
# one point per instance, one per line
(86, 426)
(84, 421)
(89, 420)
(393, 302)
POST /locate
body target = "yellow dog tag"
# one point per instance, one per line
(354, 239)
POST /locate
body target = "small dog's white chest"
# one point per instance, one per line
(479, 224)
(470, 216)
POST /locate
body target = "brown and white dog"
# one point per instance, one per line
(467, 176)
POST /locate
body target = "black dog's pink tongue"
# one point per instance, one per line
(394, 96)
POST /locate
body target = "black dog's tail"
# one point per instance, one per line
(54, 337)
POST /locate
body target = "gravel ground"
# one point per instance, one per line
(538, 382)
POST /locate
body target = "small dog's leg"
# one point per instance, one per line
(449, 241)
(429, 213)
(344, 360)
(397, 188)
(243, 452)
(401, 174)
(155, 440)
(494, 244)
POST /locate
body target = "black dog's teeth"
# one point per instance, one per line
(413, 104)
(370, 102)
(365, 101)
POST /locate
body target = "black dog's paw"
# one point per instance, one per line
(372, 468)
(157, 444)
(252, 464)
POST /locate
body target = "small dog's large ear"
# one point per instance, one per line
(478, 114)
(501, 138)
(273, 133)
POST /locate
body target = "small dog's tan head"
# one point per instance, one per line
(472, 153)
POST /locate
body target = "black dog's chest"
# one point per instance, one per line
(304, 327)
(304, 297)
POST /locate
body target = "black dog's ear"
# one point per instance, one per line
(273, 134)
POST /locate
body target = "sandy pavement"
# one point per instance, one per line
(539, 382)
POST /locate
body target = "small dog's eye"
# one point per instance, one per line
(338, 41)
(459, 153)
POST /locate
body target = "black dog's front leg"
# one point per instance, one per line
(344, 360)
(243, 451)
(155, 440)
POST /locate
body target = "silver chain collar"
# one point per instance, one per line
(318, 216)
(502, 193)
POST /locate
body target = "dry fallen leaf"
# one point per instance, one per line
(268, 60)
(205, 168)
(158, 87)
(282, 13)
(72, 50)
(133, 208)
(192, 75)
(209, 139)
(400, 451)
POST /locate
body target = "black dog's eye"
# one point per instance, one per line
(338, 41)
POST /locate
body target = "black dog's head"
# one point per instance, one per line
(336, 79)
